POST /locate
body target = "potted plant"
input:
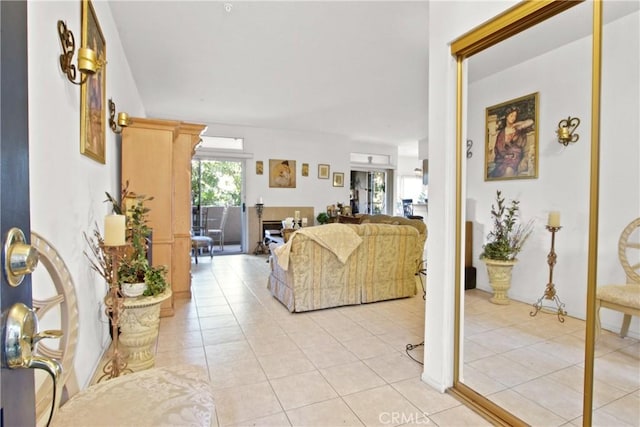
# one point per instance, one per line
(322, 218)
(503, 244)
(136, 275)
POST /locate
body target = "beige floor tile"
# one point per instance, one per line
(504, 370)
(271, 344)
(282, 364)
(382, 406)
(565, 347)
(186, 356)
(236, 373)
(480, 381)
(394, 367)
(525, 409)
(573, 377)
(474, 351)
(275, 420)
(228, 352)
(425, 398)
(214, 310)
(168, 341)
(457, 417)
(558, 398)
(222, 335)
(625, 409)
(211, 301)
(366, 347)
(242, 403)
(351, 378)
(619, 370)
(317, 338)
(536, 360)
(332, 412)
(222, 321)
(304, 389)
(261, 329)
(326, 355)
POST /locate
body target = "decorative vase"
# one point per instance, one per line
(500, 279)
(133, 290)
(139, 325)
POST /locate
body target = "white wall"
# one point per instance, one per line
(564, 173)
(67, 188)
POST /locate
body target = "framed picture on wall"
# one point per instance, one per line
(338, 179)
(282, 173)
(305, 169)
(323, 171)
(259, 167)
(92, 93)
(511, 149)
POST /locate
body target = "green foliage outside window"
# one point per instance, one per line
(216, 183)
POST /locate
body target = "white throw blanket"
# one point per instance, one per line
(340, 239)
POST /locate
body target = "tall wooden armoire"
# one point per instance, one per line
(156, 161)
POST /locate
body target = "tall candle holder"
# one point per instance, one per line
(114, 302)
(550, 290)
(260, 248)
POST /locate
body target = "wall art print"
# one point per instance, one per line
(282, 173)
(92, 93)
(511, 149)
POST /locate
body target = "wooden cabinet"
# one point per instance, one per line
(156, 160)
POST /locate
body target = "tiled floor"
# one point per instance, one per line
(533, 366)
(345, 366)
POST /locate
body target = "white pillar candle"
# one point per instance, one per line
(296, 215)
(114, 230)
(260, 200)
(554, 219)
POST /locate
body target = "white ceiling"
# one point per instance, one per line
(357, 69)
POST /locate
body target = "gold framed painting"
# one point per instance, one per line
(92, 93)
(511, 149)
(305, 169)
(323, 171)
(338, 179)
(282, 173)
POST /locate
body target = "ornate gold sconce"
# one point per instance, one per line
(123, 118)
(566, 129)
(88, 61)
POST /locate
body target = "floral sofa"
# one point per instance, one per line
(342, 264)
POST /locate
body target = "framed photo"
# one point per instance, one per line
(92, 93)
(282, 173)
(511, 149)
(305, 169)
(338, 179)
(323, 171)
(259, 167)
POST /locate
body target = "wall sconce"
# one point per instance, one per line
(123, 118)
(88, 62)
(566, 129)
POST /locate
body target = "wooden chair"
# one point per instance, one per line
(177, 395)
(219, 232)
(623, 297)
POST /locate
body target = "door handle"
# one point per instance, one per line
(20, 258)
(21, 336)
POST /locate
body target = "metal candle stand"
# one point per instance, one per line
(114, 302)
(260, 248)
(550, 290)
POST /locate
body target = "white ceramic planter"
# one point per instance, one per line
(500, 279)
(133, 290)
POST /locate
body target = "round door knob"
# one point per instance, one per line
(19, 257)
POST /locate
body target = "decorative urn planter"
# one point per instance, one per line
(139, 325)
(500, 279)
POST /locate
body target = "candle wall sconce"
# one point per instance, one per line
(566, 130)
(88, 61)
(123, 118)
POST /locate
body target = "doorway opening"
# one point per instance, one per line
(368, 192)
(216, 203)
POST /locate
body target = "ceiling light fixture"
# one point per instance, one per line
(228, 7)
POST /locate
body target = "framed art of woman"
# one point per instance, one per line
(512, 139)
